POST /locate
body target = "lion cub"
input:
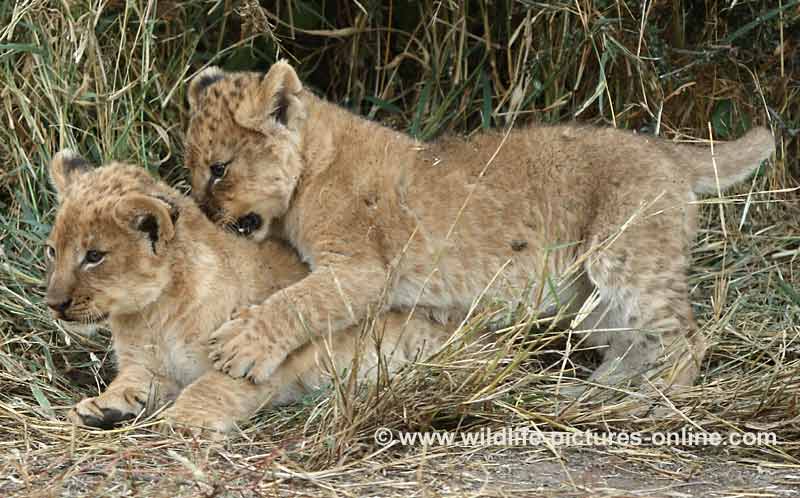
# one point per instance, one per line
(131, 251)
(499, 216)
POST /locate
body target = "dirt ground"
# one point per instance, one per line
(147, 465)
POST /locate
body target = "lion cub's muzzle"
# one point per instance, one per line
(208, 206)
(58, 306)
(247, 224)
(64, 309)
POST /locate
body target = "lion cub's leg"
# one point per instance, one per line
(646, 319)
(393, 341)
(216, 401)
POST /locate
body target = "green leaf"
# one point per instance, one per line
(726, 122)
(10, 48)
(44, 403)
(383, 104)
(486, 109)
(308, 15)
(789, 292)
(423, 101)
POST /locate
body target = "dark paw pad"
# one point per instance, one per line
(111, 419)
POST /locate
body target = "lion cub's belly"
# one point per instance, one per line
(511, 271)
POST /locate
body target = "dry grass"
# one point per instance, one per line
(107, 78)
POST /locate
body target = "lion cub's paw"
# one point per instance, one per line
(240, 350)
(193, 422)
(108, 410)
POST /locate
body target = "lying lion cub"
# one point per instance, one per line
(131, 251)
(500, 216)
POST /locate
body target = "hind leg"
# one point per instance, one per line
(644, 307)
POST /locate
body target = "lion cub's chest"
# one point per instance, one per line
(177, 348)
(186, 360)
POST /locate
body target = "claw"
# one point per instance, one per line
(226, 367)
(249, 368)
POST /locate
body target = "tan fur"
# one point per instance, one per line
(163, 298)
(497, 215)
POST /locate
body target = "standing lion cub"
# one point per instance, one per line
(379, 216)
(135, 253)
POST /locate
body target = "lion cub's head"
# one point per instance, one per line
(106, 250)
(243, 145)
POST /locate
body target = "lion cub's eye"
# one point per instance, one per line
(94, 257)
(219, 169)
(50, 252)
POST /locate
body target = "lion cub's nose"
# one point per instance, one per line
(59, 306)
(248, 224)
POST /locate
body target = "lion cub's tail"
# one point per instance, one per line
(735, 161)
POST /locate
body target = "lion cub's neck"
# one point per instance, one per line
(341, 148)
(335, 135)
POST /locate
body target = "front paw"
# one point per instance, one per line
(240, 350)
(195, 422)
(107, 410)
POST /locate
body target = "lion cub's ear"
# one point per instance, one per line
(145, 214)
(201, 83)
(64, 167)
(273, 100)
